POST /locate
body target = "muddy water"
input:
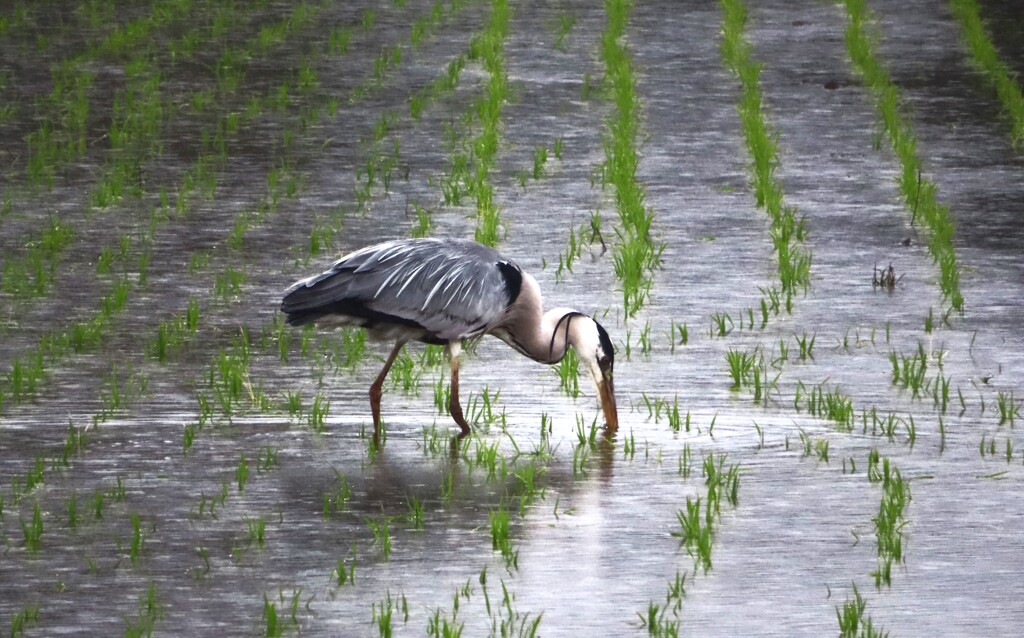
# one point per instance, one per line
(595, 547)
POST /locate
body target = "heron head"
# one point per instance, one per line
(595, 351)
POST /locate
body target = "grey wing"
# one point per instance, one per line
(452, 289)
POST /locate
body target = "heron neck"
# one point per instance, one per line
(542, 336)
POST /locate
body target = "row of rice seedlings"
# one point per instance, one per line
(383, 164)
(636, 254)
(61, 137)
(787, 230)
(227, 393)
(919, 193)
(138, 113)
(242, 465)
(488, 47)
(697, 528)
(890, 521)
(30, 275)
(134, 133)
(171, 335)
(986, 58)
(27, 371)
(89, 333)
(445, 84)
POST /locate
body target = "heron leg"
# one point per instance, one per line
(454, 406)
(376, 390)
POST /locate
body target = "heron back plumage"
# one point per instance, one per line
(447, 289)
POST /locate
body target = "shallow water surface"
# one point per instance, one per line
(168, 507)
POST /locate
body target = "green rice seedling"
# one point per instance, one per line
(500, 520)
(117, 492)
(629, 446)
(188, 437)
(806, 444)
(564, 25)
(138, 540)
(526, 485)
(674, 420)
(338, 40)
(381, 530)
(316, 419)
(257, 529)
(852, 623)
(29, 614)
(335, 500)
(740, 366)
(940, 393)
(568, 374)
(654, 621)
(266, 459)
(695, 535)
(415, 512)
(821, 448)
(150, 612)
(36, 474)
(540, 158)
(1009, 408)
(406, 374)
(558, 148)
(645, 338)
(271, 629)
(911, 430)
(242, 473)
(33, 531)
(71, 505)
(383, 615)
(721, 324)
(228, 284)
(676, 591)
(806, 346)
(346, 574)
(97, 505)
(423, 224)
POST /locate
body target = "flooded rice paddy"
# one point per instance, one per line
(798, 455)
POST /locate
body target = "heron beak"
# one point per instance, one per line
(607, 393)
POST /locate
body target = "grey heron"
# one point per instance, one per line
(444, 291)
